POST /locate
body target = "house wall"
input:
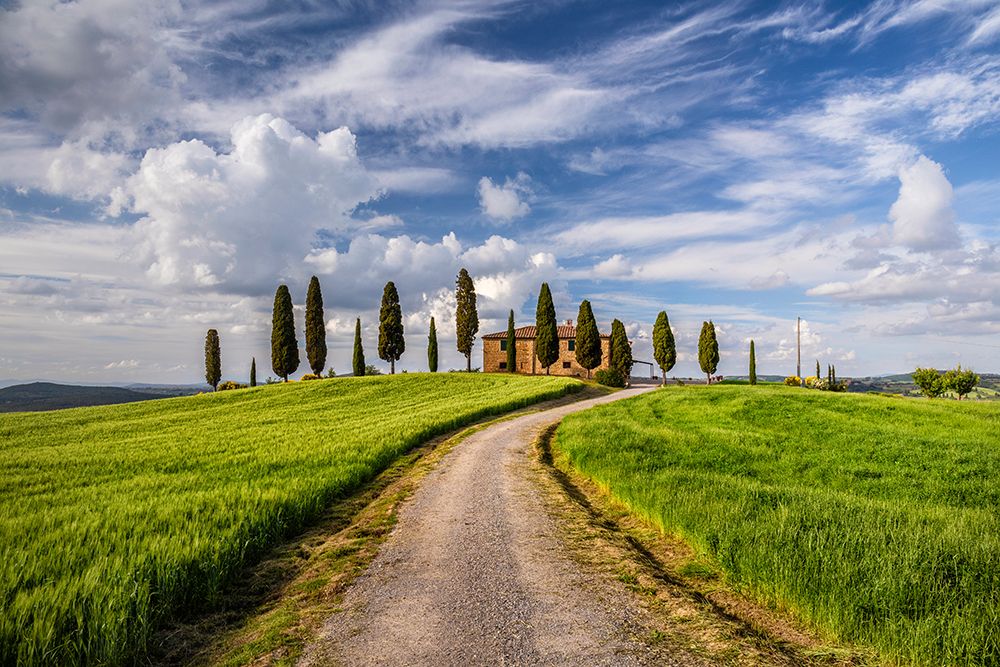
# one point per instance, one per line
(493, 357)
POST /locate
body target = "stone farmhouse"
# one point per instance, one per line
(495, 352)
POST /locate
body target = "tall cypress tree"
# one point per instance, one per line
(708, 350)
(359, 351)
(213, 359)
(466, 316)
(588, 338)
(511, 345)
(253, 371)
(546, 333)
(315, 328)
(432, 348)
(753, 363)
(391, 344)
(284, 346)
(620, 351)
(664, 348)
(817, 370)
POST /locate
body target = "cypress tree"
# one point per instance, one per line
(708, 350)
(253, 371)
(359, 351)
(817, 370)
(213, 359)
(833, 374)
(432, 348)
(619, 351)
(588, 338)
(511, 345)
(284, 346)
(546, 334)
(753, 364)
(466, 316)
(315, 328)
(664, 348)
(391, 344)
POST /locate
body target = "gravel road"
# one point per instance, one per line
(475, 574)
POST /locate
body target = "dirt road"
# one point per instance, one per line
(474, 573)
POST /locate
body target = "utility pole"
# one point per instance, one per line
(798, 347)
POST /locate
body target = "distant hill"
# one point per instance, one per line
(39, 396)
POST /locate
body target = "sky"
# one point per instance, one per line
(164, 166)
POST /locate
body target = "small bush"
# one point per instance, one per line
(229, 384)
(793, 381)
(310, 376)
(331, 373)
(372, 370)
(610, 377)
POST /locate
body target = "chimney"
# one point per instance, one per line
(569, 323)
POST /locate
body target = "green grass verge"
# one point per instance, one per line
(114, 518)
(874, 519)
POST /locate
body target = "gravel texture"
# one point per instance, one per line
(475, 574)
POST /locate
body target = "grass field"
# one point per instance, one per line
(113, 518)
(875, 519)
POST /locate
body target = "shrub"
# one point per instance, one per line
(793, 381)
(930, 382)
(310, 376)
(229, 384)
(331, 373)
(610, 377)
(372, 370)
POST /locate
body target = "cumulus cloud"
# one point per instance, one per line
(238, 220)
(922, 217)
(616, 266)
(508, 201)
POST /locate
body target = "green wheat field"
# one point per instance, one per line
(113, 518)
(875, 519)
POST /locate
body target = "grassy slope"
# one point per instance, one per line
(113, 517)
(874, 518)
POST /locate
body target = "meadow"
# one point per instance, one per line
(874, 519)
(113, 518)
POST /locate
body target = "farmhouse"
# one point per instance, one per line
(495, 352)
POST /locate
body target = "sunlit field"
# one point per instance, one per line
(873, 518)
(112, 518)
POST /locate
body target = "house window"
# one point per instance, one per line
(565, 364)
(572, 346)
(503, 365)
(503, 344)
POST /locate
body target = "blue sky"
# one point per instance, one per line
(163, 166)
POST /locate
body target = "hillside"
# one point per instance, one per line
(38, 396)
(113, 518)
(875, 519)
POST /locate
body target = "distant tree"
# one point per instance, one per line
(466, 316)
(358, 363)
(930, 382)
(284, 346)
(833, 374)
(817, 369)
(753, 364)
(315, 328)
(961, 381)
(588, 338)
(619, 350)
(213, 359)
(372, 370)
(432, 348)
(253, 371)
(511, 345)
(546, 333)
(708, 350)
(391, 344)
(664, 348)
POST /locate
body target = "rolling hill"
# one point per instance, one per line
(39, 396)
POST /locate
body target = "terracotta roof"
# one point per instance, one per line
(563, 331)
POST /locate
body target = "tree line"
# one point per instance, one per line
(392, 344)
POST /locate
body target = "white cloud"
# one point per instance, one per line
(616, 266)
(508, 201)
(242, 220)
(922, 217)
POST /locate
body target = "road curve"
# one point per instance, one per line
(475, 573)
